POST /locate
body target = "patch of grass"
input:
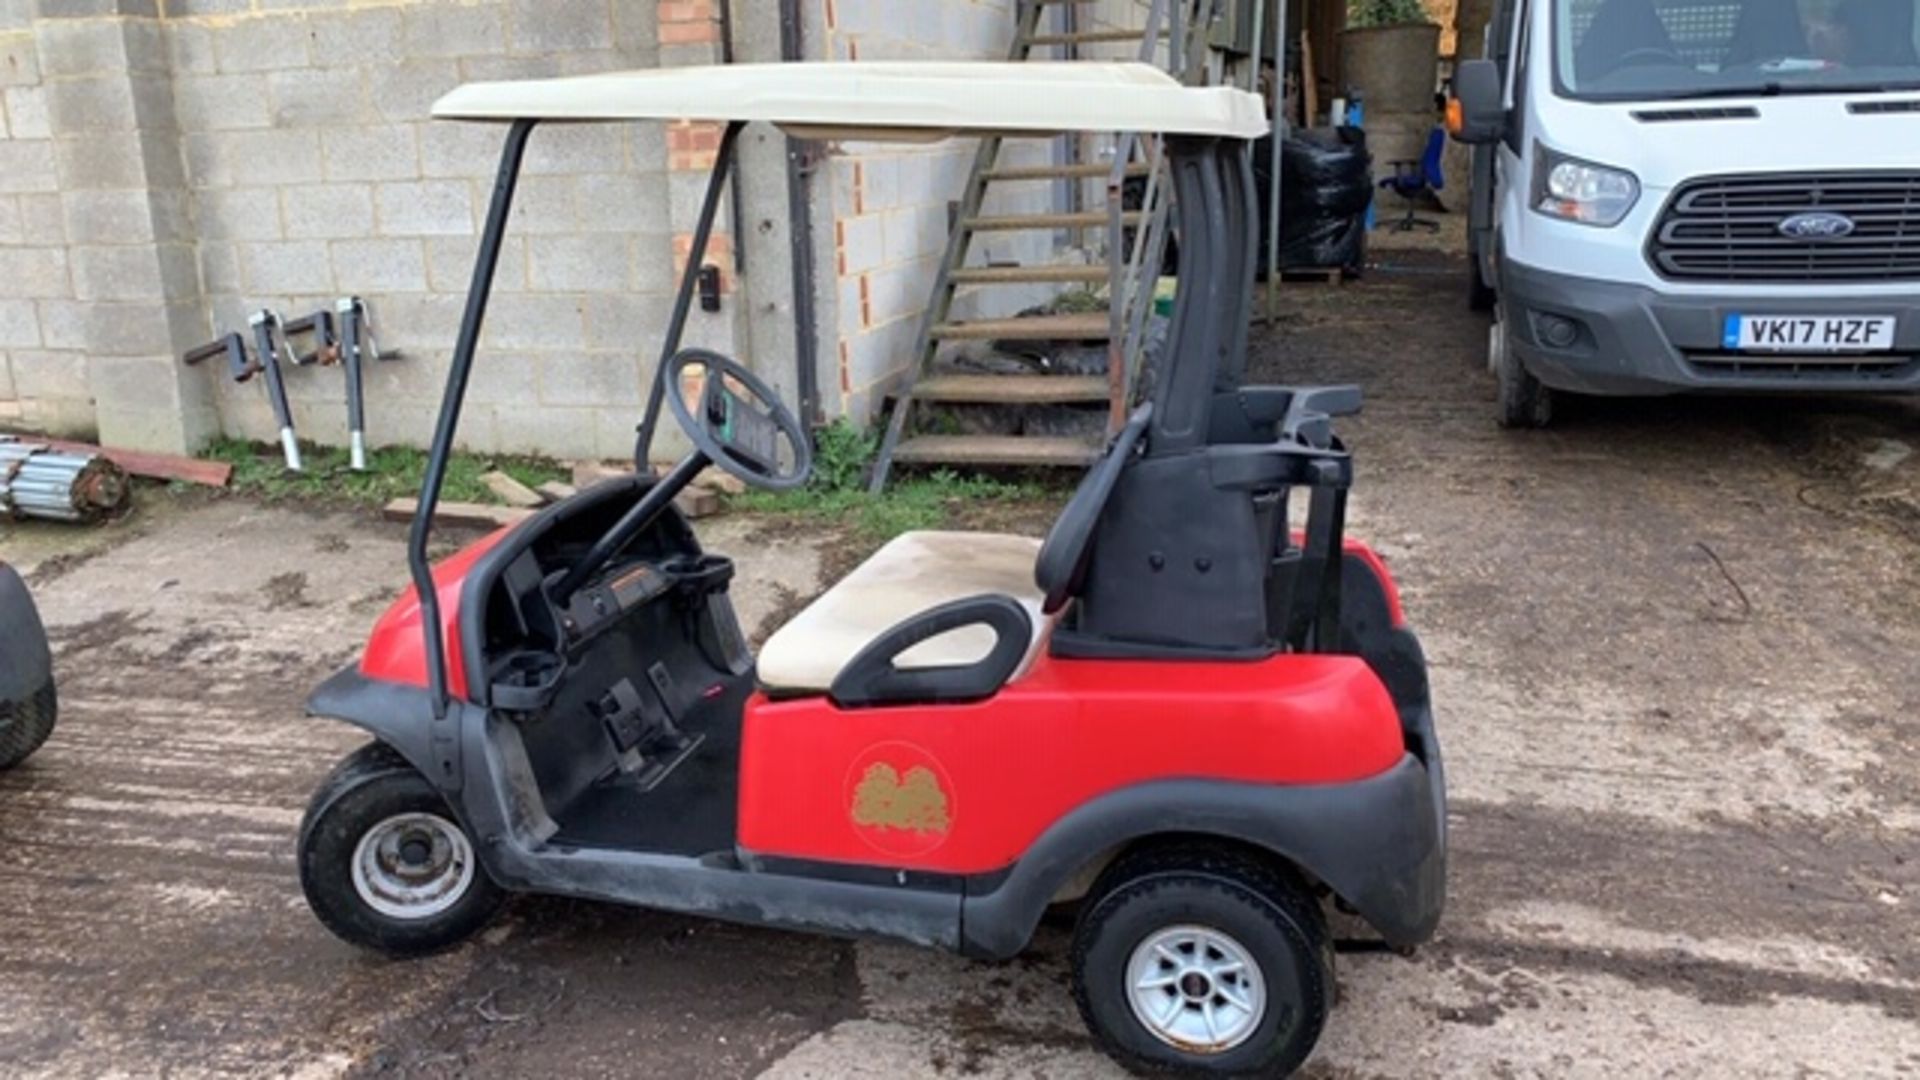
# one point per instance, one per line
(393, 473)
(838, 494)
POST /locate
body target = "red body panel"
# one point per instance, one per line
(965, 789)
(397, 650)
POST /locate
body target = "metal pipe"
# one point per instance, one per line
(1274, 161)
(736, 196)
(38, 482)
(353, 322)
(806, 316)
(508, 178)
(683, 303)
(268, 342)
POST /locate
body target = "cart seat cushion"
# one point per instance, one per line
(914, 573)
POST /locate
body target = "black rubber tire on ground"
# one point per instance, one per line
(1480, 295)
(25, 724)
(368, 787)
(1261, 906)
(1525, 402)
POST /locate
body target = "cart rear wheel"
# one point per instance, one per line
(386, 865)
(25, 724)
(1525, 402)
(1203, 963)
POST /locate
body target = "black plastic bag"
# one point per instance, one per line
(1327, 185)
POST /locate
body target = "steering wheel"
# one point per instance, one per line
(739, 432)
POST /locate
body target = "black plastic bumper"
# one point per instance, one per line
(1633, 340)
(26, 663)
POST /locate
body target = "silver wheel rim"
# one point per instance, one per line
(1496, 347)
(1196, 989)
(413, 866)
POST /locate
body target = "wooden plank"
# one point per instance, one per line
(1013, 389)
(1049, 452)
(1015, 275)
(698, 502)
(1016, 222)
(1309, 82)
(588, 473)
(1062, 172)
(151, 466)
(473, 515)
(511, 491)
(555, 491)
(1082, 326)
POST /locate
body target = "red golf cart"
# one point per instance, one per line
(1194, 721)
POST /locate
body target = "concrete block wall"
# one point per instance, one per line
(43, 376)
(167, 169)
(315, 172)
(891, 203)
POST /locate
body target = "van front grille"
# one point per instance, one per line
(1730, 228)
(1832, 369)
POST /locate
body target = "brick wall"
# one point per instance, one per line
(891, 202)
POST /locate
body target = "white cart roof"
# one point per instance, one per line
(911, 101)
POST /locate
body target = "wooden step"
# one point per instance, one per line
(1090, 37)
(1013, 389)
(1050, 452)
(1080, 326)
(1015, 222)
(1061, 172)
(1019, 275)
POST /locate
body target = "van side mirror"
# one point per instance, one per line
(1477, 113)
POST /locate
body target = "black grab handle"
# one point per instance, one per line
(871, 679)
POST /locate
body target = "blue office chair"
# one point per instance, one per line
(1412, 179)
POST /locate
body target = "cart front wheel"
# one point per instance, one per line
(1203, 964)
(384, 863)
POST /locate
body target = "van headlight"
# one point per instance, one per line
(1574, 190)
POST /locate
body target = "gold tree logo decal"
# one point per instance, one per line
(886, 800)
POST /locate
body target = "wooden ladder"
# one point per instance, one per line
(1129, 274)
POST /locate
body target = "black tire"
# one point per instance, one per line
(1480, 295)
(1525, 402)
(371, 787)
(25, 724)
(1261, 908)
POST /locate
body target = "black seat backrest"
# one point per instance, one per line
(1062, 564)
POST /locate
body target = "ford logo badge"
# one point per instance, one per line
(1818, 225)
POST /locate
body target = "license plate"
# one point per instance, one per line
(1809, 333)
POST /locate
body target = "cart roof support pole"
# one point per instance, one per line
(481, 290)
(683, 303)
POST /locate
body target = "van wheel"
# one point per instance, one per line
(1480, 295)
(1203, 963)
(386, 865)
(1525, 402)
(25, 725)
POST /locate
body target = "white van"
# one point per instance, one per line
(1696, 195)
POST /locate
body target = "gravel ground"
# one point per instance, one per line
(1672, 650)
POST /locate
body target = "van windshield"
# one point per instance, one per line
(1639, 50)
